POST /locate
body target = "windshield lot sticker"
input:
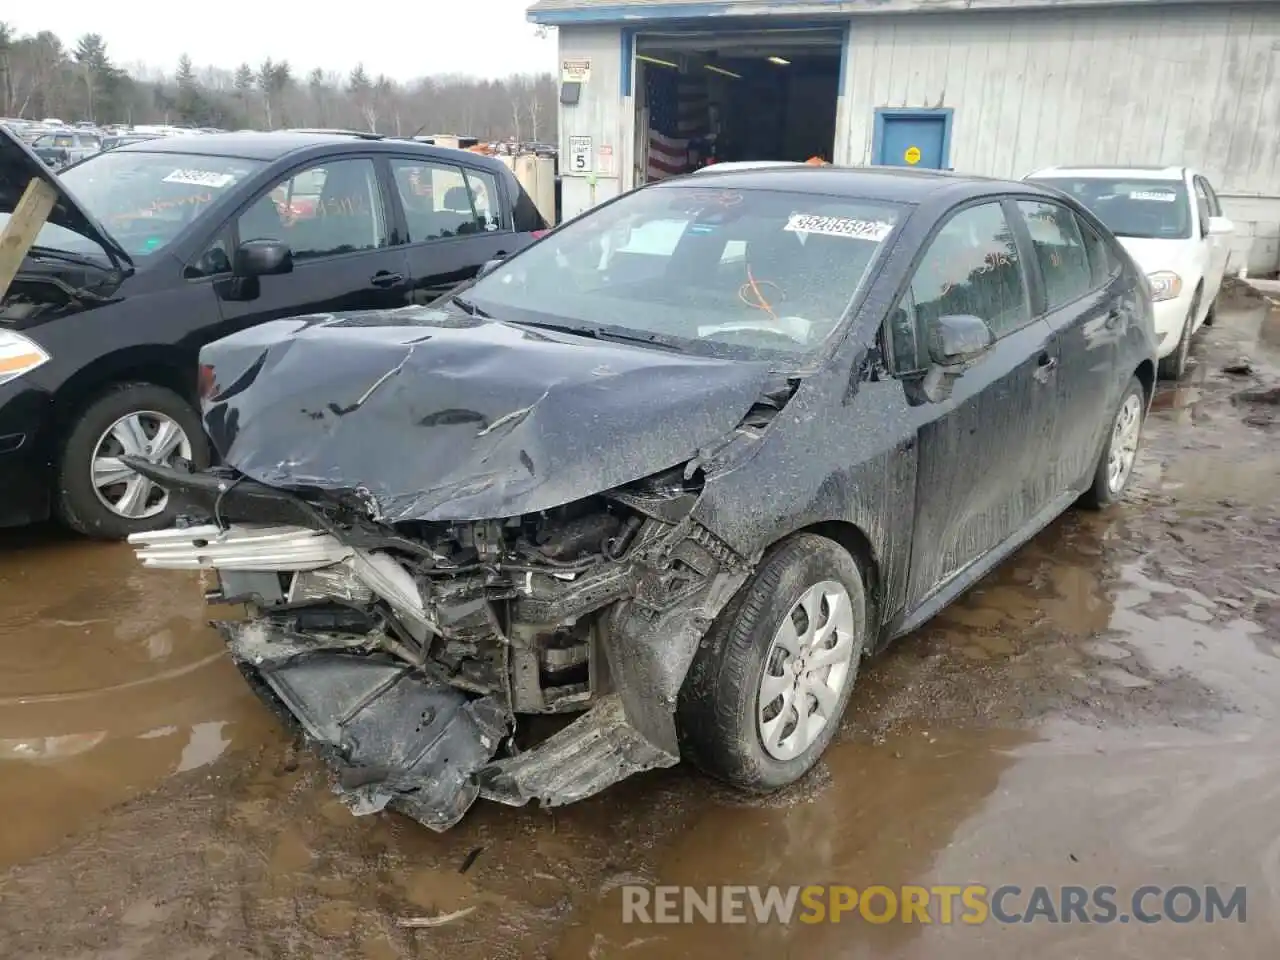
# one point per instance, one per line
(200, 178)
(1152, 195)
(848, 227)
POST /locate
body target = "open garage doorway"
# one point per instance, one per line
(715, 96)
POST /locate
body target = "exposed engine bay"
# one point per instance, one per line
(408, 650)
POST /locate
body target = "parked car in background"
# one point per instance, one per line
(156, 248)
(61, 148)
(1171, 222)
(684, 489)
(111, 141)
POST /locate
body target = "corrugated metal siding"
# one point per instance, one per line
(1185, 85)
(601, 114)
(1195, 85)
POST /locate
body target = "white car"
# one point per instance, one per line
(1182, 246)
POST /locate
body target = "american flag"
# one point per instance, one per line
(677, 118)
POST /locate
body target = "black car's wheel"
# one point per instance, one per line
(1115, 466)
(1174, 365)
(100, 497)
(768, 686)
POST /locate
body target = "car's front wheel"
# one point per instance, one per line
(1174, 365)
(768, 686)
(97, 494)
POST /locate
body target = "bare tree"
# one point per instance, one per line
(39, 77)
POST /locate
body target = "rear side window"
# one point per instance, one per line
(1059, 250)
(1103, 264)
(972, 267)
(440, 202)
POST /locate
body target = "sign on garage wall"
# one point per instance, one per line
(575, 71)
(604, 161)
(580, 155)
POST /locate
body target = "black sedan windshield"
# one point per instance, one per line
(1147, 209)
(144, 199)
(719, 271)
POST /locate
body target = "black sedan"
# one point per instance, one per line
(158, 247)
(680, 465)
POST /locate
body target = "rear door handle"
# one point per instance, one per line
(384, 279)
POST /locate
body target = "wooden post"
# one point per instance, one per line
(17, 236)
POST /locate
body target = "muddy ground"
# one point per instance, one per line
(1101, 710)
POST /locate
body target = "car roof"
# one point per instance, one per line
(892, 184)
(277, 144)
(1112, 173)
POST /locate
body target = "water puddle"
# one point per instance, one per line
(110, 682)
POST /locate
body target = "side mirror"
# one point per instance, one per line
(957, 338)
(489, 266)
(1219, 225)
(262, 258)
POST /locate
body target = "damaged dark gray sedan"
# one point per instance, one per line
(675, 468)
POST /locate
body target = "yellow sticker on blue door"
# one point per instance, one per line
(912, 155)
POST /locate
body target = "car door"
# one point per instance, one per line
(1219, 241)
(1071, 290)
(981, 463)
(455, 219)
(333, 214)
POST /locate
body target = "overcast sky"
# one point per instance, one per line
(401, 38)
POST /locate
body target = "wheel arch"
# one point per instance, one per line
(1146, 374)
(857, 544)
(167, 367)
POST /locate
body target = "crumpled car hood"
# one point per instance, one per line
(442, 417)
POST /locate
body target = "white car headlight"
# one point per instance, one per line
(1165, 285)
(19, 355)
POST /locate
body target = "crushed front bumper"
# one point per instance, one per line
(397, 739)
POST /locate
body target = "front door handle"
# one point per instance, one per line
(1113, 320)
(385, 279)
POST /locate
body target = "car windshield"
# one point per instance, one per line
(1146, 209)
(727, 272)
(143, 199)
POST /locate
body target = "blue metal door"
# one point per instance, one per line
(908, 141)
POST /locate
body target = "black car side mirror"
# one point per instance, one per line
(955, 341)
(262, 258)
(958, 338)
(489, 266)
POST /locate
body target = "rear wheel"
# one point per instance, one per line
(768, 687)
(97, 494)
(1115, 466)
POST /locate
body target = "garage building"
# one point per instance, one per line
(653, 88)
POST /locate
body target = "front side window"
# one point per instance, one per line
(1138, 208)
(971, 267)
(1059, 250)
(724, 272)
(441, 202)
(144, 200)
(329, 209)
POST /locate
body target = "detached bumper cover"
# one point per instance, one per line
(394, 738)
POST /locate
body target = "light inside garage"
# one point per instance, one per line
(715, 96)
